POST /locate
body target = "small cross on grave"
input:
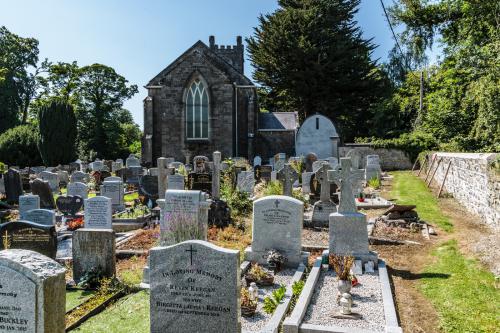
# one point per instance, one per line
(191, 252)
(287, 176)
(346, 178)
(322, 178)
(277, 203)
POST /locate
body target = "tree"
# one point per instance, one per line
(18, 146)
(17, 84)
(100, 95)
(309, 56)
(57, 128)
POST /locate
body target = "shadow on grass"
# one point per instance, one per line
(407, 275)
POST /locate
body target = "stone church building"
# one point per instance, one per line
(203, 102)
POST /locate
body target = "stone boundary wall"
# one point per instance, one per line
(473, 181)
(390, 159)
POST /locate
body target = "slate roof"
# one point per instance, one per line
(278, 121)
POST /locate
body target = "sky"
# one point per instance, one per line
(140, 38)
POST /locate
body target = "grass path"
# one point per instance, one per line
(77, 297)
(460, 289)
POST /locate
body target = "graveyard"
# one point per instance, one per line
(310, 178)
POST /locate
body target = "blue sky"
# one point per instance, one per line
(140, 38)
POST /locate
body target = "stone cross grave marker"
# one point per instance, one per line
(195, 287)
(98, 213)
(162, 164)
(277, 224)
(324, 207)
(42, 189)
(33, 293)
(346, 179)
(28, 202)
(287, 176)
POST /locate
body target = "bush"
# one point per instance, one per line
(18, 146)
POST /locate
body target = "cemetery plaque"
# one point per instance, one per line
(42, 189)
(69, 204)
(200, 182)
(98, 213)
(41, 216)
(29, 236)
(276, 215)
(33, 293)
(195, 287)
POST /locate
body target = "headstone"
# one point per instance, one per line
(93, 249)
(37, 169)
(79, 189)
(63, 177)
(175, 182)
(162, 176)
(98, 213)
(2, 185)
(257, 161)
(13, 185)
(324, 207)
(277, 224)
(334, 162)
(279, 161)
(41, 216)
(274, 176)
(132, 174)
(199, 164)
(372, 169)
(42, 189)
(317, 165)
(176, 165)
(148, 185)
(52, 178)
(69, 204)
(287, 176)
(216, 175)
(97, 165)
(33, 293)
(112, 179)
(29, 236)
(306, 179)
(200, 182)
(80, 177)
(114, 191)
(309, 160)
(184, 211)
(195, 287)
(356, 158)
(132, 161)
(265, 173)
(246, 182)
(348, 234)
(28, 202)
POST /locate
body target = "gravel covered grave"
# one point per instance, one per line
(367, 301)
(260, 319)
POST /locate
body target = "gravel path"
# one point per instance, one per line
(367, 301)
(316, 237)
(259, 320)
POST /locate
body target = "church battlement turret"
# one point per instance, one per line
(233, 54)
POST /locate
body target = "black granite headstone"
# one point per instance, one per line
(69, 204)
(29, 236)
(200, 182)
(148, 185)
(13, 185)
(42, 189)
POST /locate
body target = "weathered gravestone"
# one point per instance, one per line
(306, 179)
(132, 174)
(200, 164)
(263, 173)
(28, 202)
(98, 213)
(13, 185)
(80, 177)
(69, 204)
(348, 233)
(114, 191)
(185, 215)
(309, 160)
(162, 177)
(33, 293)
(29, 236)
(279, 161)
(257, 160)
(132, 161)
(246, 182)
(372, 169)
(41, 216)
(195, 287)
(148, 185)
(42, 189)
(277, 225)
(97, 165)
(52, 179)
(287, 176)
(93, 250)
(325, 206)
(175, 182)
(63, 177)
(79, 189)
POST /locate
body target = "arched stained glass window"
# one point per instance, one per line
(197, 111)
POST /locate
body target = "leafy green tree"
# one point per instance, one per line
(100, 95)
(18, 146)
(310, 56)
(57, 128)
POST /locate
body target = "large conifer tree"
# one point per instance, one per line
(310, 56)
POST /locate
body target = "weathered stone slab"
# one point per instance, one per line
(80, 177)
(33, 293)
(41, 216)
(114, 191)
(52, 178)
(98, 213)
(79, 189)
(348, 234)
(195, 287)
(42, 189)
(175, 182)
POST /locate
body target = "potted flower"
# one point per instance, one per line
(248, 303)
(342, 266)
(259, 275)
(361, 197)
(275, 260)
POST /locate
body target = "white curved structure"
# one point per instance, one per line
(317, 135)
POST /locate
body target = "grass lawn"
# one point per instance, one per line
(128, 314)
(77, 297)
(411, 190)
(463, 293)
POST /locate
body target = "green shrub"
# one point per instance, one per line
(57, 133)
(272, 302)
(273, 187)
(297, 287)
(239, 202)
(374, 183)
(18, 146)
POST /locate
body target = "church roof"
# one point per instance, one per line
(199, 45)
(278, 121)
